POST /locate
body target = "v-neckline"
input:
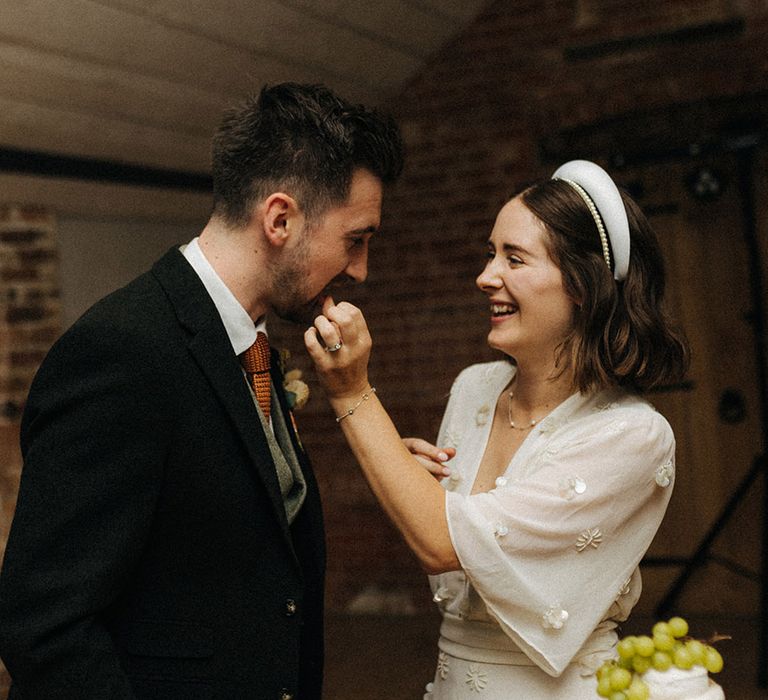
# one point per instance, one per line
(566, 407)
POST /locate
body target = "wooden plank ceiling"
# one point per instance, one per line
(144, 82)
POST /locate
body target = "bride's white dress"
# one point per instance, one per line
(550, 555)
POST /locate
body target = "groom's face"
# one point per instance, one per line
(329, 252)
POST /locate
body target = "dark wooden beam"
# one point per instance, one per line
(28, 162)
(684, 35)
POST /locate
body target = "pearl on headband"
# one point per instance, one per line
(604, 202)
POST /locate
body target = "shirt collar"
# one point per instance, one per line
(239, 326)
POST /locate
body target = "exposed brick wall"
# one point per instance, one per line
(472, 122)
(30, 305)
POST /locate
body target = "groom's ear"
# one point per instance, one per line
(281, 218)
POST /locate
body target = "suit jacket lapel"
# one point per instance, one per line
(211, 349)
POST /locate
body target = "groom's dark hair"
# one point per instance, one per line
(303, 140)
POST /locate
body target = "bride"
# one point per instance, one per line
(562, 472)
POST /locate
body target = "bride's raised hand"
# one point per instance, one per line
(339, 344)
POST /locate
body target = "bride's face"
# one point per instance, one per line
(529, 308)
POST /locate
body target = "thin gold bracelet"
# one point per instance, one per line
(367, 395)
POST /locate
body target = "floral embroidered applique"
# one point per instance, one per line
(443, 665)
(500, 530)
(442, 594)
(476, 679)
(592, 537)
(664, 474)
(554, 617)
(482, 415)
(571, 487)
(454, 479)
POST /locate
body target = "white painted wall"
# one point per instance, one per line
(100, 255)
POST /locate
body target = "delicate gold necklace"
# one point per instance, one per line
(512, 425)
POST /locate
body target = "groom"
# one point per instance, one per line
(168, 539)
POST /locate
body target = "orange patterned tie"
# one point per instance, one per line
(255, 361)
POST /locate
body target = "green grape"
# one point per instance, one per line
(661, 660)
(626, 648)
(641, 664)
(618, 695)
(604, 669)
(661, 628)
(620, 679)
(627, 663)
(638, 690)
(697, 651)
(683, 658)
(713, 662)
(663, 642)
(644, 646)
(604, 689)
(678, 627)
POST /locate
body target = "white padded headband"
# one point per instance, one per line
(602, 197)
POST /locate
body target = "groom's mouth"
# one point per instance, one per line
(314, 307)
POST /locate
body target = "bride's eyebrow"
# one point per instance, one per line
(513, 248)
(361, 231)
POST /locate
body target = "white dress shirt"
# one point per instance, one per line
(240, 328)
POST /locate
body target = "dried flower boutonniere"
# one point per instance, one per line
(296, 390)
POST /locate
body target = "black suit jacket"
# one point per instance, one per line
(150, 555)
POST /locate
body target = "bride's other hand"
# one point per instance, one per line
(339, 344)
(430, 456)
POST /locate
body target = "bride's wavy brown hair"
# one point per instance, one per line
(622, 333)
